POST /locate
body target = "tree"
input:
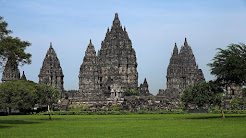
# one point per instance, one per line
(204, 93)
(229, 65)
(47, 95)
(17, 94)
(12, 48)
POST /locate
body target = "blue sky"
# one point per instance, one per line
(153, 27)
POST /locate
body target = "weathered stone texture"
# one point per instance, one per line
(183, 70)
(144, 88)
(51, 71)
(115, 67)
(11, 71)
(88, 75)
(117, 60)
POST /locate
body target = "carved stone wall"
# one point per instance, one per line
(51, 71)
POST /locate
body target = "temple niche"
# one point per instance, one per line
(182, 71)
(51, 71)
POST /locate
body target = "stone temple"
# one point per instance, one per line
(106, 74)
(182, 71)
(51, 71)
(11, 71)
(114, 66)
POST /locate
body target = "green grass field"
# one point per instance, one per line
(145, 125)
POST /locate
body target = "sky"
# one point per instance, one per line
(153, 27)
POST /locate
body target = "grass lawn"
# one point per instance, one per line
(145, 125)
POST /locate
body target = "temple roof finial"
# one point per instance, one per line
(90, 41)
(175, 49)
(185, 42)
(50, 44)
(116, 16)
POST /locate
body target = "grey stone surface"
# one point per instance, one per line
(51, 71)
(11, 71)
(182, 71)
(115, 66)
(144, 88)
(88, 74)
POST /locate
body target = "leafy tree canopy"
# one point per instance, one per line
(47, 94)
(17, 94)
(204, 93)
(12, 48)
(229, 65)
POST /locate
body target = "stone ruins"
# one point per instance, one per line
(106, 74)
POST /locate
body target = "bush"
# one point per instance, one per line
(229, 112)
(112, 112)
(237, 103)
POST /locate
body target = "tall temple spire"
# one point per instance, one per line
(88, 74)
(182, 70)
(51, 71)
(116, 55)
(11, 71)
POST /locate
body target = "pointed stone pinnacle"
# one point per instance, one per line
(23, 77)
(185, 42)
(50, 44)
(116, 16)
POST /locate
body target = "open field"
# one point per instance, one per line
(146, 125)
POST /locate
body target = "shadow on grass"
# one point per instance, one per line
(6, 127)
(12, 123)
(214, 117)
(17, 122)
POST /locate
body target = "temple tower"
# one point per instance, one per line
(117, 60)
(51, 71)
(88, 74)
(182, 70)
(11, 71)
